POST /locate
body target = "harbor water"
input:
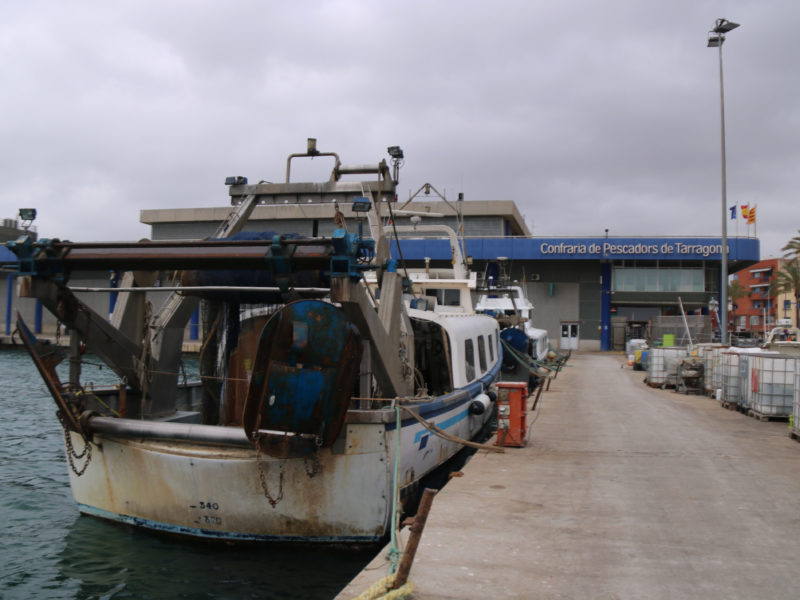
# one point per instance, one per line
(50, 551)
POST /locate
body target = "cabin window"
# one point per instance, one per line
(445, 296)
(491, 349)
(432, 354)
(482, 353)
(469, 356)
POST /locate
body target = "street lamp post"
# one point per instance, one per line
(716, 37)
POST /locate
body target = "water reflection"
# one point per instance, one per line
(51, 552)
(108, 560)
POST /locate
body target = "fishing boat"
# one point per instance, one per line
(512, 308)
(527, 348)
(322, 397)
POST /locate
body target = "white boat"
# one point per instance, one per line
(785, 340)
(526, 348)
(512, 307)
(310, 381)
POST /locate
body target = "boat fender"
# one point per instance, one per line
(479, 404)
(492, 395)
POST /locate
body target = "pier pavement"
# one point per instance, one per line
(623, 491)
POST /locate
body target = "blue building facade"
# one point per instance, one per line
(586, 284)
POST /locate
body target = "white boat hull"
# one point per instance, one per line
(215, 491)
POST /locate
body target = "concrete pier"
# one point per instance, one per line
(623, 491)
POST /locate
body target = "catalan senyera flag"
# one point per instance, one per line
(745, 211)
(751, 216)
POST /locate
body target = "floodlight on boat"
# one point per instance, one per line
(395, 152)
(27, 214)
(361, 204)
(236, 180)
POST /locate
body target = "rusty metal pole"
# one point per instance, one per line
(414, 537)
(74, 358)
(539, 389)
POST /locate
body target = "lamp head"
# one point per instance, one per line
(27, 214)
(395, 152)
(724, 26)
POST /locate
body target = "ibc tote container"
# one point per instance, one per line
(712, 375)
(729, 378)
(729, 370)
(772, 384)
(796, 401)
(662, 366)
(634, 344)
(744, 397)
(716, 369)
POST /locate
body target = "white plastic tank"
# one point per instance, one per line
(633, 344)
(772, 384)
(712, 373)
(662, 365)
(796, 401)
(730, 375)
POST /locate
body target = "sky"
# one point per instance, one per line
(589, 115)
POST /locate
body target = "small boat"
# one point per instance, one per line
(784, 339)
(512, 308)
(330, 383)
(527, 347)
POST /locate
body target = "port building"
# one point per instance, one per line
(589, 293)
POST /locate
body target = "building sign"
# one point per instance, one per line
(632, 249)
(577, 248)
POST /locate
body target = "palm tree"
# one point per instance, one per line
(792, 248)
(736, 291)
(787, 280)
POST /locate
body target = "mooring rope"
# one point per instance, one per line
(382, 589)
(394, 551)
(450, 438)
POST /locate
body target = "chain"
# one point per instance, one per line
(72, 456)
(263, 477)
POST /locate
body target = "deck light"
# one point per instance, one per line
(27, 214)
(395, 152)
(361, 204)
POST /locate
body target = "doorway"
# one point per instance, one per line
(569, 336)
